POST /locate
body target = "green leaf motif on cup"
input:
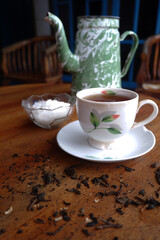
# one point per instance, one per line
(94, 119)
(108, 92)
(114, 130)
(110, 118)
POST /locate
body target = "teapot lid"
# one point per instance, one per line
(98, 21)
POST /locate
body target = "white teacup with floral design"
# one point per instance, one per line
(108, 120)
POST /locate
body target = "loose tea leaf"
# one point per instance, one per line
(39, 220)
(142, 192)
(111, 225)
(35, 190)
(119, 210)
(34, 201)
(94, 221)
(152, 203)
(158, 175)
(128, 169)
(155, 164)
(67, 204)
(46, 178)
(70, 171)
(73, 190)
(85, 231)
(65, 216)
(2, 230)
(133, 202)
(20, 231)
(85, 182)
(122, 200)
(54, 233)
(14, 155)
(101, 180)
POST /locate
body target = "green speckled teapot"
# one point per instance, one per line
(97, 61)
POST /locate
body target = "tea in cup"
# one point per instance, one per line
(107, 114)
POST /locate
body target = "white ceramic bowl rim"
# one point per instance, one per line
(65, 97)
(90, 91)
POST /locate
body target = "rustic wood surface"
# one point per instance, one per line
(46, 193)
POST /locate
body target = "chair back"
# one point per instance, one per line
(150, 61)
(32, 60)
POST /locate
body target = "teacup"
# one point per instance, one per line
(107, 114)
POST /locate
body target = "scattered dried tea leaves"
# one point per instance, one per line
(102, 180)
(155, 164)
(149, 203)
(35, 189)
(9, 210)
(122, 200)
(55, 232)
(110, 193)
(67, 204)
(49, 178)
(134, 203)
(85, 183)
(81, 212)
(71, 172)
(36, 200)
(103, 185)
(152, 203)
(158, 175)
(142, 192)
(39, 221)
(2, 231)
(116, 238)
(64, 215)
(93, 221)
(14, 155)
(108, 224)
(46, 178)
(157, 194)
(128, 169)
(74, 190)
(20, 231)
(119, 210)
(85, 231)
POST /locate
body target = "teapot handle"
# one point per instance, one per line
(132, 51)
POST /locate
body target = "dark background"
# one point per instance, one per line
(17, 17)
(17, 20)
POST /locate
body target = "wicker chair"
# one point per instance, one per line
(31, 61)
(148, 77)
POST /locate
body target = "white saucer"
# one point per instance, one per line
(74, 141)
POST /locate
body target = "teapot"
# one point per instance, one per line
(97, 61)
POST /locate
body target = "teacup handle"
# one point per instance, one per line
(151, 117)
(132, 51)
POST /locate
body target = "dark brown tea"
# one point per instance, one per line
(107, 98)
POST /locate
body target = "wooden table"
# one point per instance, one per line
(46, 193)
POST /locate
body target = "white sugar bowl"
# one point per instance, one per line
(49, 110)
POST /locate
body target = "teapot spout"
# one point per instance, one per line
(69, 61)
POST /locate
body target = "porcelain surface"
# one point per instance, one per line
(97, 60)
(108, 121)
(135, 143)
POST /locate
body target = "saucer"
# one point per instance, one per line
(152, 87)
(137, 142)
